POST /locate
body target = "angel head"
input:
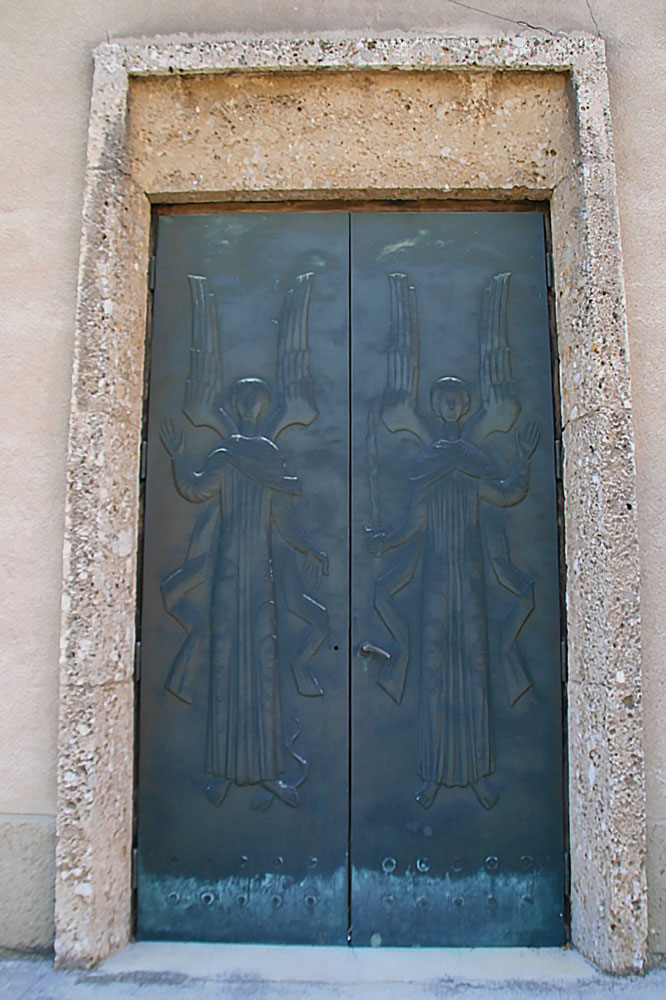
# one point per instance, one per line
(249, 401)
(450, 398)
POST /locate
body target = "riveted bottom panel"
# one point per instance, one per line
(492, 909)
(311, 910)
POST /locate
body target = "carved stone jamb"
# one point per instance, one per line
(606, 781)
(95, 754)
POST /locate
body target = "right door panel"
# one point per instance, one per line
(457, 801)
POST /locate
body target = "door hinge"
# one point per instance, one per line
(137, 661)
(134, 867)
(152, 265)
(567, 873)
(550, 270)
(559, 459)
(563, 660)
(143, 460)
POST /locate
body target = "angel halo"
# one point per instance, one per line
(450, 398)
(249, 400)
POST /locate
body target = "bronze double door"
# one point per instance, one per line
(350, 695)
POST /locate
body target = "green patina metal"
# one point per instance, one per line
(351, 689)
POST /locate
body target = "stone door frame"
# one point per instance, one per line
(126, 174)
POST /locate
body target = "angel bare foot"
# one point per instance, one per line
(216, 792)
(426, 793)
(485, 793)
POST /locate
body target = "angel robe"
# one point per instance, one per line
(450, 481)
(247, 479)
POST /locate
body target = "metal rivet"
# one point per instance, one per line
(492, 903)
(173, 897)
(375, 940)
(207, 898)
(278, 861)
(243, 860)
(422, 864)
(458, 901)
(276, 901)
(241, 900)
(388, 900)
(423, 902)
(389, 865)
(312, 862)
(527, 862)
(492, 863)
(457, 865)
(310, 901)
(427, 831)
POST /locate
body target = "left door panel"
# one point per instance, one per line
(243, 759)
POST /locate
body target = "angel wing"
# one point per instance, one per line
(500, 405)
(204, 381)
(399, 409)
(295, 388)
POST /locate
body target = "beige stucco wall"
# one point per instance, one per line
(46, 51)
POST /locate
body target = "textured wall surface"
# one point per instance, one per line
(46, 83)
(27, 873)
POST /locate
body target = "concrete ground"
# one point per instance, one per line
(149, 971)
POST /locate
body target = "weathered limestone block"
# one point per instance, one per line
(607, 827)
(603, 615)
(27, 876)
(93, 856)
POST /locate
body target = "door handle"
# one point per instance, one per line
(367, 648)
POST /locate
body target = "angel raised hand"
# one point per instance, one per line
(247, 495)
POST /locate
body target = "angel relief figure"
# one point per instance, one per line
(224, 593)
(450, 528)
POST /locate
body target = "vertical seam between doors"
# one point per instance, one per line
(349, 581)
